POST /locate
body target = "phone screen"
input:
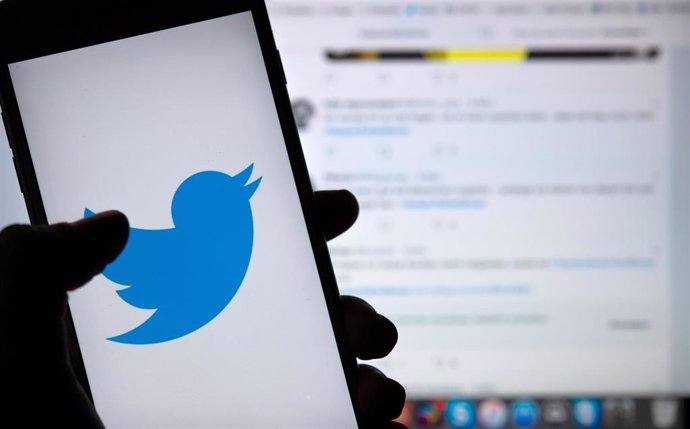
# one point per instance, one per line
(214, 314)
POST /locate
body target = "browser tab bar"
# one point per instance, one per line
(441, 9)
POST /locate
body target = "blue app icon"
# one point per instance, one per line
(461, 414)
(525, 414)
(188, 274)
(587, 413)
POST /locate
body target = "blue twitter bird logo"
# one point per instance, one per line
(191, 272)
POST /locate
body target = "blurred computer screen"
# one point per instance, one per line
(523, 170)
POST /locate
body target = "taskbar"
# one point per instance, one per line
(546, 413)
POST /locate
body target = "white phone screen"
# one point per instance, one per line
(178, 129)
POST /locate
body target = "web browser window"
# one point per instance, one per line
(523, 170)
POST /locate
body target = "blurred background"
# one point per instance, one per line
(523, 169)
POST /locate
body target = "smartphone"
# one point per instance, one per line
(222, 311)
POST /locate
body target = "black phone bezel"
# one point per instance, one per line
(31, 29)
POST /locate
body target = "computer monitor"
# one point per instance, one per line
(523, 170)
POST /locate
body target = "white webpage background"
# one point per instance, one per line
(120, 126)
(479, 304)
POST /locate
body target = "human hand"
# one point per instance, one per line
(39, 265)
(370, 335)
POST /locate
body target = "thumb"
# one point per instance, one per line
(60, 257)
(38, 265)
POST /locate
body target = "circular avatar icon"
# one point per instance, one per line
(460, 414)
(525, 414)
(493, 414)
(587, 413)
(429, 414)
(555, 412)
